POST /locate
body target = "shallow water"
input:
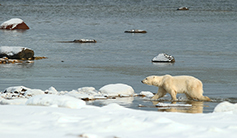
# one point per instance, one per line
(202, 40)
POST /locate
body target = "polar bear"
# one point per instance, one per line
(190, 86)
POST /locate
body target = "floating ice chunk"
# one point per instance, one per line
(225, 107)
(117, 90)
(172, 105)
(163, 57)
(33, 92)
(146, 94)
(56, 100)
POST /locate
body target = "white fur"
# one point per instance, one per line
(190, 86)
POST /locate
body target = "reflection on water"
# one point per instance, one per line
(197, 107)
(162, 64)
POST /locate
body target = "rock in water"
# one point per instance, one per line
(163, 57)
(22, 53)
(135, 31)
(14, 23)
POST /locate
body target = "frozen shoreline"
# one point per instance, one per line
(112, 121)
(64, 114)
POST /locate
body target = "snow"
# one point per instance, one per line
(111, 121)
(52, 113)
(11, 50)
(56, 101)
(117, 90)
(226, 107)
(14, 22)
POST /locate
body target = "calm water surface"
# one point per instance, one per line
(202, 40)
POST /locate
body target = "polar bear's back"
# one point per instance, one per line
(185, 83)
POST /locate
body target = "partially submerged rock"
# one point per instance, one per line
(14, 54)
(163, 57)
(80, 41)
(183, 8)
(85, 41)
(13, 24)
(135, 31)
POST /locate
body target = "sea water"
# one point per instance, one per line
(201, 39)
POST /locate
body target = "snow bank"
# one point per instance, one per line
(225, 107)
(117, 90)
(111, 121)
(56, 101)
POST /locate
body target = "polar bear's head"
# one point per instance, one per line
(153, 80)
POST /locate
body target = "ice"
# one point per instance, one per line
(146, 94)
(226, 107)
(117, 90)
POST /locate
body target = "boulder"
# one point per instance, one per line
(14, 23)
(16, 53)
(163, 57)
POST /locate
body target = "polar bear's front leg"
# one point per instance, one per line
(161, 93)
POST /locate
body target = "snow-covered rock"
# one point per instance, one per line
(163, 57)
(56, 101)
(117, 90)
(226, 107)
(15, 52)
(14, 23)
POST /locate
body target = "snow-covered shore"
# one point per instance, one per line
(37, 113)
(112, 121)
